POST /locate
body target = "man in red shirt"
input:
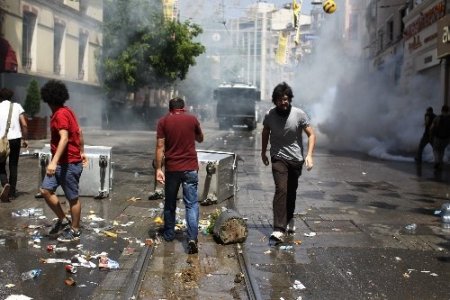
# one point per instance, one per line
(68, 158)
(176, 135)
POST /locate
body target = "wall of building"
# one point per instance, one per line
(82, 17)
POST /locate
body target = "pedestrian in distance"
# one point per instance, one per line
(176, 135)
(426, 136)
(440, 131)
(16, 134)
(283, 126)
(66, 165)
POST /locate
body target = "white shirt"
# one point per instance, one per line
(15, 131)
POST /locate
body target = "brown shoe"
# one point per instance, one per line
(4, 196)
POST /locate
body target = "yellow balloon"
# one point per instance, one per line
(329, 6)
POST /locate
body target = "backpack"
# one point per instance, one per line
(4, 142)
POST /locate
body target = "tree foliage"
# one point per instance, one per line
(32, 104)
(141, 49)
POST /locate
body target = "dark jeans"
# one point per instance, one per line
(13, 159)
(423, 142)
(189, 182)
(285, 175)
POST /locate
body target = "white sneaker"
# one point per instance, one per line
(291, 226)
(277, 236)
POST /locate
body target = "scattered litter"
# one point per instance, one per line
(424, 271)
(81, 261)
(106, 263)
(434, 274)
(364, 173)
(33, 226)
(297, 242)
(18, 297)
(298, 285)
(134, 199)
(55, 260)
(110, 233)
(127, 224)
(411, 227)
(70, 281)
(267, 252)
(71, 269)
(398, 258)
(286, 247)
(239, 277)
(128, 251)
(311, 234)
(9, 285)
(28, 212)
(30, 274)
(94, 218)
(158, 220)
(53, 248)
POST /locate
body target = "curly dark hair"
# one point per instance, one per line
(176, 103)
(54, 92)
(6, 94)
(282, 89)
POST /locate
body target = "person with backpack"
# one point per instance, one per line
(440, 131)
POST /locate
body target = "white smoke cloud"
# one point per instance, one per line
(358, 110)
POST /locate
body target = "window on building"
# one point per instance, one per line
(402, 14)
(380, 42)
(82, 46)
(57, 46)
(28, 26)
(390, 31)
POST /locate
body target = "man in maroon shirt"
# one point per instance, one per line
(68, 158)
(176, 135)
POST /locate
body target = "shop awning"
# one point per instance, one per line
(8, 58)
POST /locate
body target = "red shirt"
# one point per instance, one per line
(64, 118)
(178, 131)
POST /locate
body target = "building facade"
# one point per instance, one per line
(404, 43)
(56, 39)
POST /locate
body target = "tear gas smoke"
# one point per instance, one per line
(357, 110)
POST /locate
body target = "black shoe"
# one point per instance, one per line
(192, 247)
(59, 226)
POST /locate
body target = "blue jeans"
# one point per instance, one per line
(68, 177)
(189, 181)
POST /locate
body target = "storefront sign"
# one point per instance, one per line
(443, 37)
(426, 19)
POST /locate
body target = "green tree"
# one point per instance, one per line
(141, 49)
(32, 104)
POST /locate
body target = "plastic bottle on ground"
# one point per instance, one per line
(30, 274)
